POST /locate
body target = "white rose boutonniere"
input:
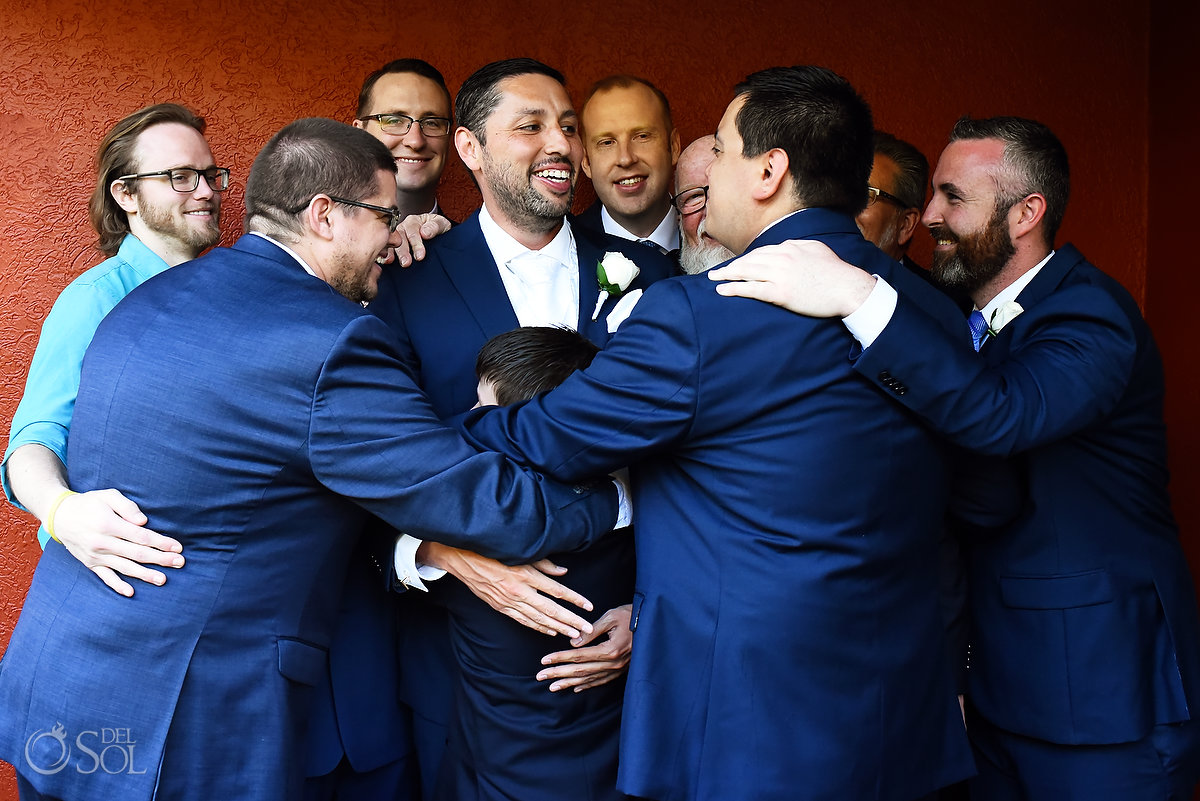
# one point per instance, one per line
(614, 273)
(1002, 316)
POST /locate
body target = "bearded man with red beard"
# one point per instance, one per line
(1085, 661)
(156, 204)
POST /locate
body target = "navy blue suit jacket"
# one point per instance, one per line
(256, 416)
(443, 310)
(1085, 624)
(787, 640)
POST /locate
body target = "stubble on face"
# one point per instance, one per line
(520, 201)
(978, 257)
(172, 222)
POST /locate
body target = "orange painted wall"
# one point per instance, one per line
(69, 69)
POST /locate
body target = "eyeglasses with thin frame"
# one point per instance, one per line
(690, 201)
(392, 212)
(400, 124)
(187, 179)
(874, 194)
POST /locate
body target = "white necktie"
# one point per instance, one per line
(548, 299)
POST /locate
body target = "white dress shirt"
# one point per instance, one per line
(867, 322)
(542, 285)
(666, 235)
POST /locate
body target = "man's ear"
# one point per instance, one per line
(908, 226)
(675, 149)
(359, 124)
(1026, 216)
(586, 164)
(125, 199)
(316, 217)
(468, 147)
(774, 174)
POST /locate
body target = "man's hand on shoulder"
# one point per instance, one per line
(801, 275)
(415, 229)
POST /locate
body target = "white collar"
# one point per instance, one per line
(1010, 292)
(505, 247)
(666, 235)
(286, 250)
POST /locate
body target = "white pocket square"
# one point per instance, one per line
(622, 310)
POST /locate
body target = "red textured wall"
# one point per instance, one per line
(68, 70)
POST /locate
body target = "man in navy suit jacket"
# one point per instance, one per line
(787, 643)
(1085, 661)
(255, 412)
(360, 743)
(517, 261)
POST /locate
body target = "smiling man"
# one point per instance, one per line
(156, 204)
(258, 413)
(405, 104)
(630, 148)
(517, 262)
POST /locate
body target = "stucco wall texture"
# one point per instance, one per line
(68, 70)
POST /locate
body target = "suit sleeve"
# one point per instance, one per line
(375, 440)
(1070, 361)
(637, 398)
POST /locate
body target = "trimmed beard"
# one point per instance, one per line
(977, 258)
(522, 203)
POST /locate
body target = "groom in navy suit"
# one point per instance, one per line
(517, 261)
(1085, 663)
(256, 413)
(787, 641)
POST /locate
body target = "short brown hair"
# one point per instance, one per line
(117, 157)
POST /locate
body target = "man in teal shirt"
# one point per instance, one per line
(156, 204)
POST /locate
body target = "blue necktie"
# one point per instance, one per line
(979, 328)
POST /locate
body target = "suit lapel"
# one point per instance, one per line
(588, 254)
(471, 268)
(1046, 281)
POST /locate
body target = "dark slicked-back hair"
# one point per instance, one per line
(628, 82)
(117, 157)
(415, 66)
(528, 361)
(815, 116)
(309, 157)
(1034, 161)
(480, 95)
(914, 168)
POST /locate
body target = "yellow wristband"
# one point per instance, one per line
(53, 509)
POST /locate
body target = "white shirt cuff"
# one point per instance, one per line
(624, 503)
(867, 322)
(408, 572)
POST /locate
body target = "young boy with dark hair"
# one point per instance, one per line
(506, 722)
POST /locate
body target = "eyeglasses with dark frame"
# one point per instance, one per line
(874, 194)
(690, 201)
(400, 124)
(392, 212)
(187, 179)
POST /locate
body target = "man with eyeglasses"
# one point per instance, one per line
(360, 739)
(630, 147)
(895, 198)
(518, 261)
(156, 204)
(259, 414)
(405, 104)
(697, 250)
